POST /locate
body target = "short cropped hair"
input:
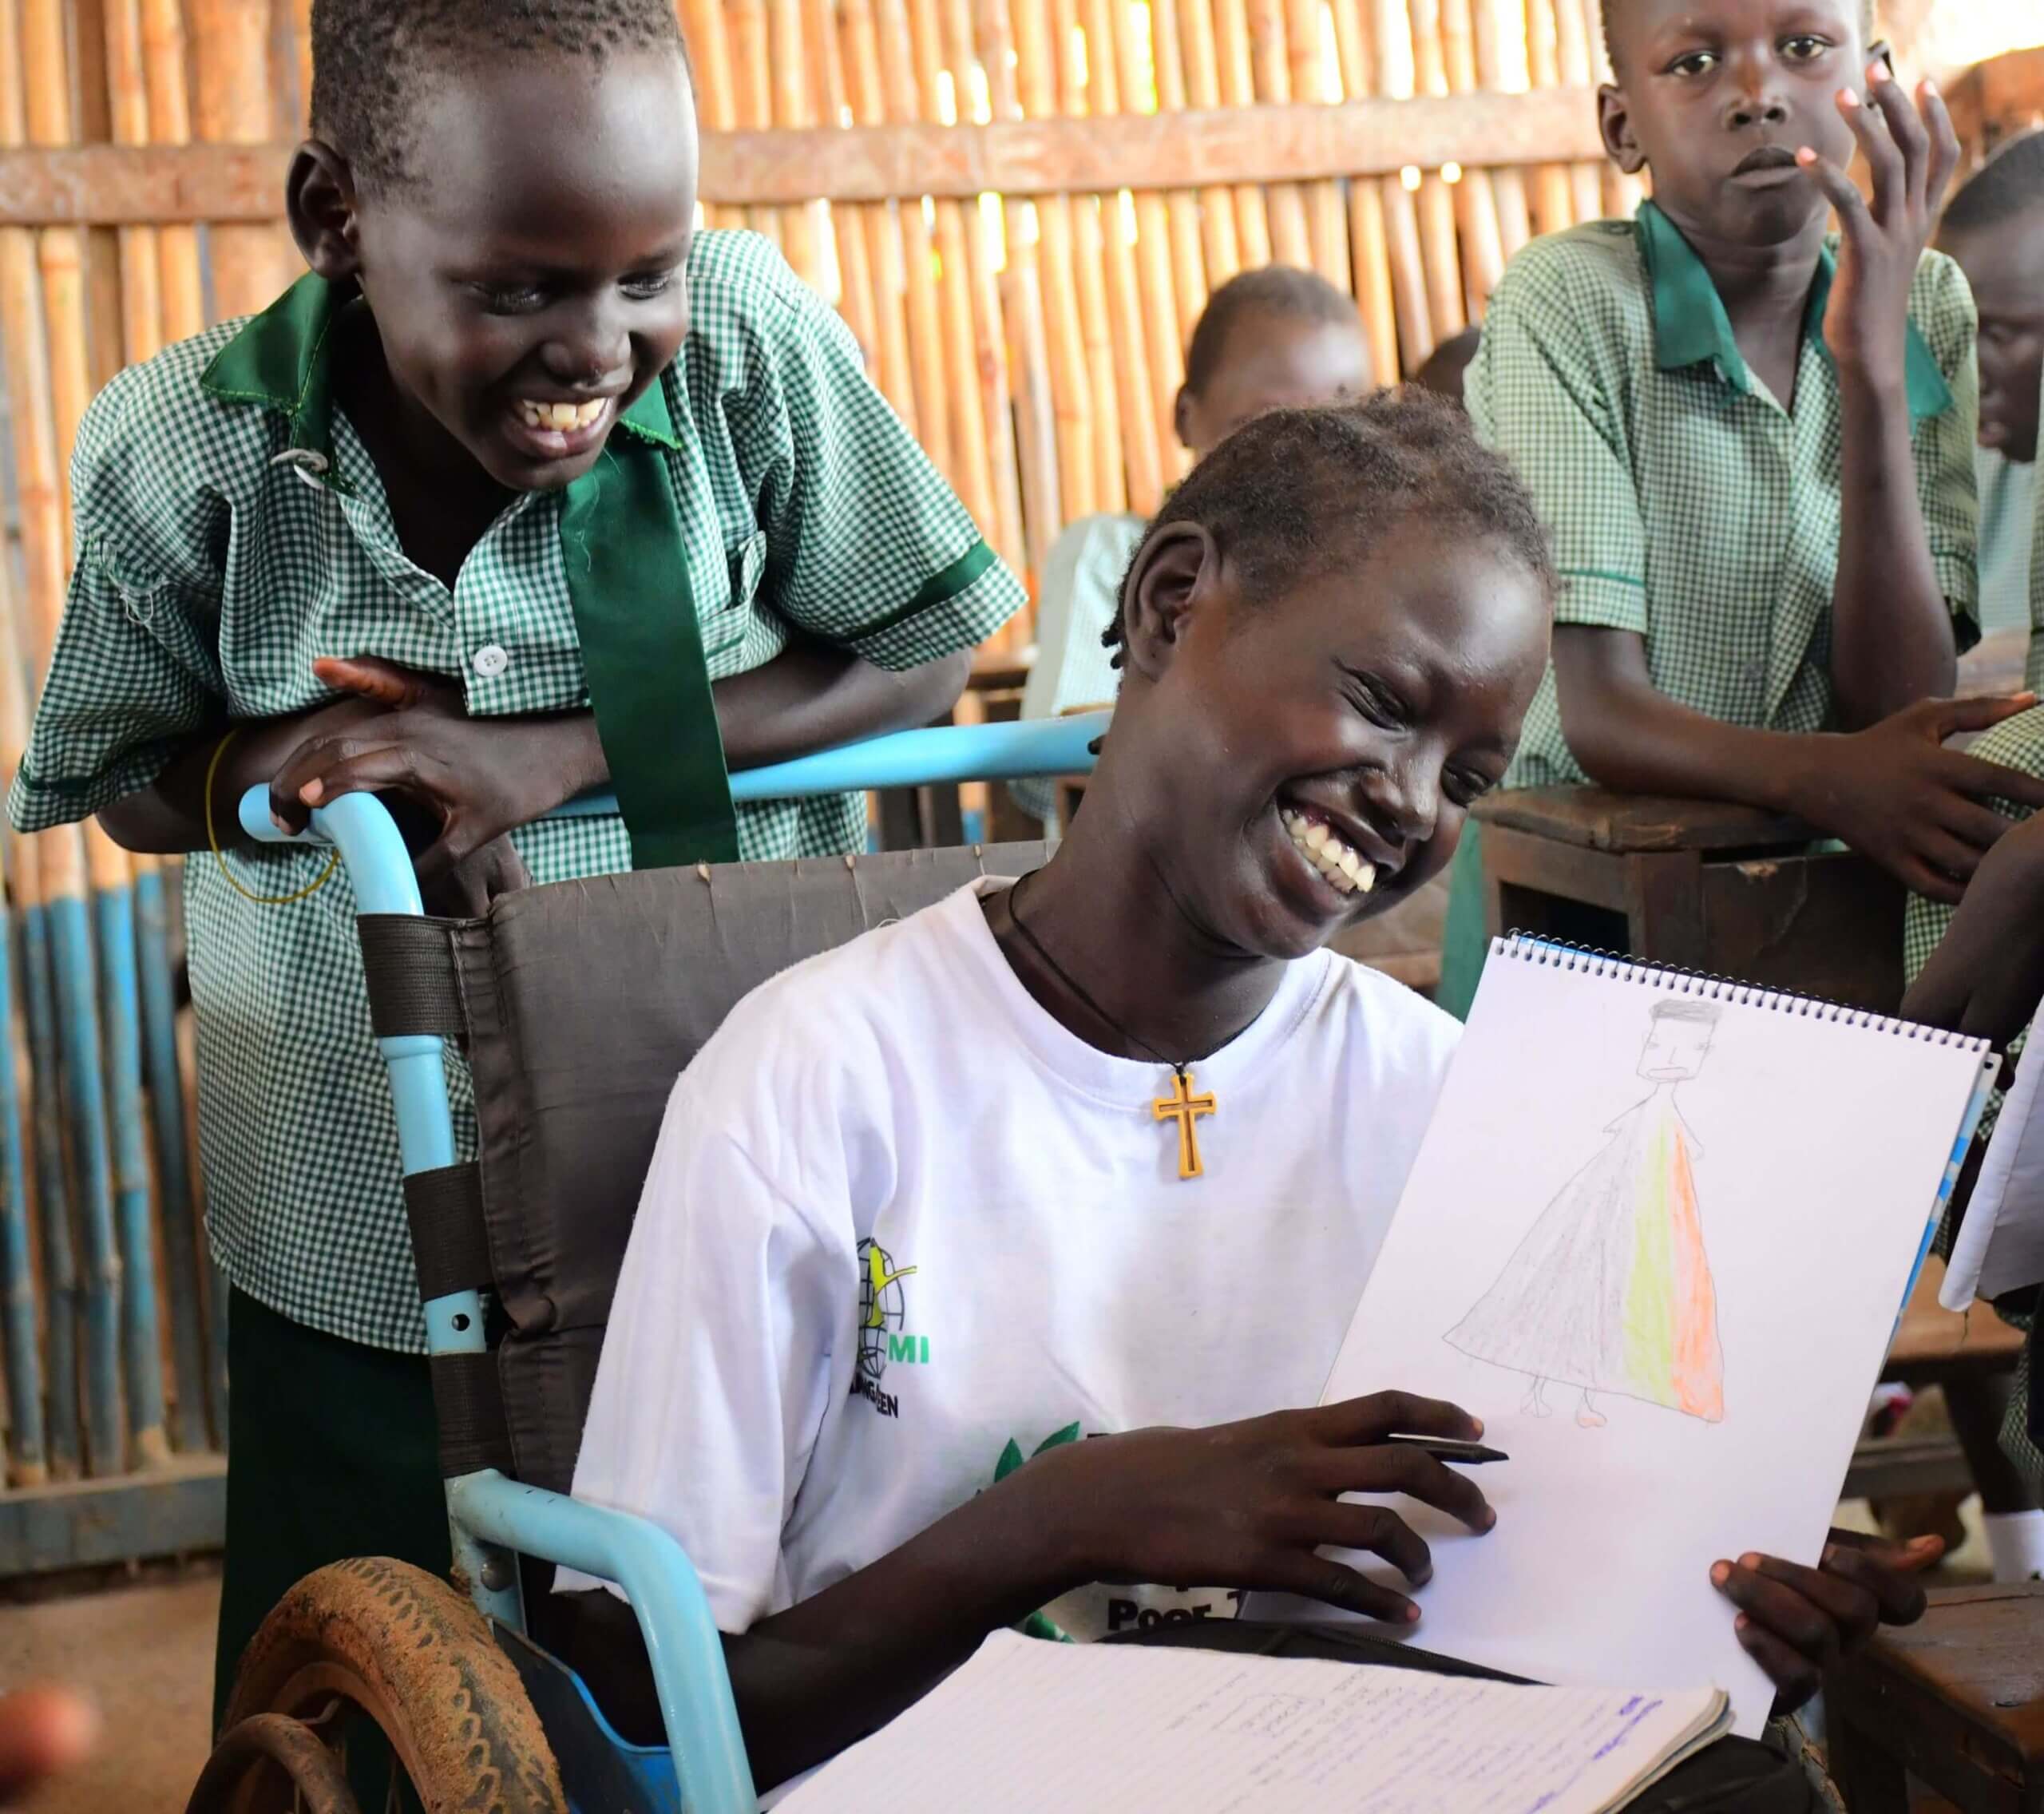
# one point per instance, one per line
(373, 60)
(2010, 182)
(1279, 291)
(1607, 9)
(1297, 493)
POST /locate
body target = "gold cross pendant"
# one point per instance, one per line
(1182, 1106)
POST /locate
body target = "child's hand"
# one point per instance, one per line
(480, 778)
(1250, 1505)
(1895, 793)
(1796, 1622)
(1986, 976)
(1911, 159)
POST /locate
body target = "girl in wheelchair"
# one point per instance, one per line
(982, 1260)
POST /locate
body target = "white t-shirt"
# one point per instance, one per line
(902, 1230)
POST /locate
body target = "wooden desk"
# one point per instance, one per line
(1696, 884)
(1956, 1701)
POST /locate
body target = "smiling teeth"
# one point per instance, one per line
(1350, 873)
(560, 416)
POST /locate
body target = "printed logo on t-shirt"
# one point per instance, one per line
(884, 1336)
(1097, 1611)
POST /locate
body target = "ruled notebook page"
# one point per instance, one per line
(1027, 1725)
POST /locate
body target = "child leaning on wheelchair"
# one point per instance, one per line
(985, 1263)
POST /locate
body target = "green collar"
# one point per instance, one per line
(1690, 327)
(281, 361)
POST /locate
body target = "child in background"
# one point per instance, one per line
(528, 489)
(1328, 639)
(1995, 228)
(1446, 370)
(1269, 339)
(1754, 444)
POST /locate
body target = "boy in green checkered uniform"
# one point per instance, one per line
(1754, 443)
(527, 489)
(1987, 977)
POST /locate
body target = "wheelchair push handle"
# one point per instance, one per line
(948, 754)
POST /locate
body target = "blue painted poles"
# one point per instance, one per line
(141, 1339)
(60, 1267)
(84, 1099)
(173, 1161)
(24, 1361)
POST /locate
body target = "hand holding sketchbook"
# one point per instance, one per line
(1656, 1239)
(1027, 1725)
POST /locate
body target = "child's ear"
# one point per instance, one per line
(320, 201)
(1614, 121)
(1180, 411)
(1176, 568)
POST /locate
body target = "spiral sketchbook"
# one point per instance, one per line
(1656, 1237)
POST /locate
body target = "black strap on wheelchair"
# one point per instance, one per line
(450, 1246)
(413, 987)
(469, 1399)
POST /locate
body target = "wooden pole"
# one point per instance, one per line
(1188, 210)
(1091, 237)
(1437, 227)
(180, 285)
(893, 369)
(1137, 316)
(28, 1456)
(231, 55)
(1313, 78)
(1356, 61)
(1071, 390)
(1499, 33)
(989, 331)
(802, 228)
(1476, 204)
(1237, 236)
(1258, 67)
(1553, 189)
(1575, 29)
(716, 102)
(1023, 311)
(970, 444)
(841, 226)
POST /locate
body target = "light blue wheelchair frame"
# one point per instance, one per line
(494, 1519)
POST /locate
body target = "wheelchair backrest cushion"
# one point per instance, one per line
(584, 1001)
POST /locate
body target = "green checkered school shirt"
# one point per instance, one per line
(2017, 743)
(1686, 505)
(209, 578)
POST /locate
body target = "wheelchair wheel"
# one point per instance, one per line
(372, 1655)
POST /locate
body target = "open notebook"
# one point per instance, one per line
(1027, 1725)
(1656, 1238)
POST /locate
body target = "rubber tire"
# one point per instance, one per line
(419, 1660)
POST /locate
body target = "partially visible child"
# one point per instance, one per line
(1329, 636)
(1976, 968)
(527, 489)
(1278, 338)
(1754, 443)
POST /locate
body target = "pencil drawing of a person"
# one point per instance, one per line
(1611, 1290)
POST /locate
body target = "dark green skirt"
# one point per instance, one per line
(331, 1453)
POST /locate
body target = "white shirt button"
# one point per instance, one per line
(491, 661)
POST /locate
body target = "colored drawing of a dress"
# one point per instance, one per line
(1611, 1290)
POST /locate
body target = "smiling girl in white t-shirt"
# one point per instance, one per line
(982, 1260)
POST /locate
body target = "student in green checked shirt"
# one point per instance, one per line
(1982, 968)
(528, 488)
(1753, 444)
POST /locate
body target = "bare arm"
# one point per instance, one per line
(810, 697)
(1892, 636)
(1629, 735)
(1892, 791)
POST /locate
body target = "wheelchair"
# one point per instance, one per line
(577, 1006)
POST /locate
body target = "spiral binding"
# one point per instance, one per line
(1536, 948)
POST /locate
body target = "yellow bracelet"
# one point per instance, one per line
(219, 856)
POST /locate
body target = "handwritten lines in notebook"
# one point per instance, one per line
(1027, 1725)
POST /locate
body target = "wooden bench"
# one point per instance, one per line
(1957, 1702)
(1695, 884)
(1971, 1351)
